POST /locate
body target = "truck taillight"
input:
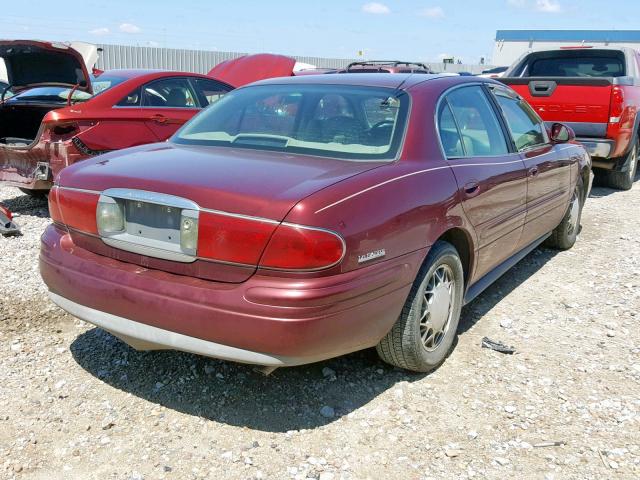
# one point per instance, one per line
(74, 208)
(296, 247)
(617, 104)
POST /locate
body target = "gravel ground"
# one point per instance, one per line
(77, 403)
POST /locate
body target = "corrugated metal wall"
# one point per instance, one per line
(201, 61)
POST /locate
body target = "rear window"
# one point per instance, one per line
(346, 122)
(602, 65)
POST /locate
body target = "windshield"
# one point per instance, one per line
(347, 122)
(60, 94)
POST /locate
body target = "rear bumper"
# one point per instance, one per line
(265, 320)
(35, 167)
(599, 149)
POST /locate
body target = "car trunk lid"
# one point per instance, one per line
(31, 63)
(223, 184)
(251, 68)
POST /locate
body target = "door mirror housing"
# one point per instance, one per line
(561, 133)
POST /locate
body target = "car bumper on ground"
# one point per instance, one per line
(266, 320)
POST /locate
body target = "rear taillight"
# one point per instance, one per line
(617, 104)
(295, 247)
(54, 206)
(233, 239)
(74, 208)
(249, 241)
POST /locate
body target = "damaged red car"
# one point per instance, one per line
(60, 114)
(302, 218)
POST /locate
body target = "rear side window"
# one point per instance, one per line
(209, 91)
(479, 128)
(524, 124)
(578, 66)
(449, 135)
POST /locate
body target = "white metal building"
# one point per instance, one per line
(511, 44)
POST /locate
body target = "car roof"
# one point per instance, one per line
(140, 72)
(398, 80)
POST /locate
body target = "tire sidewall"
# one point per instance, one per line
(443, 253)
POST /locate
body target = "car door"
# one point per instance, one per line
(548, 165)
(491, 176)
(167, 104)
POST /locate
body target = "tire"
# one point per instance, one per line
(565, 234)
(624, 180)
(404, 346)
(40, 194)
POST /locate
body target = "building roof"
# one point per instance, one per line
(568, 35)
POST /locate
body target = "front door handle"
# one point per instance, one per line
(533, 172)
(471, 189)
(159, 118)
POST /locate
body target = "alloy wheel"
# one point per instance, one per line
(436, 309)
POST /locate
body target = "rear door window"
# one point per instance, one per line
(477, 123)
(209, 91)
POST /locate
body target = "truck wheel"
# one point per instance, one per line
(34, 193)
(624, 180)
(422, 336)
(565, 234)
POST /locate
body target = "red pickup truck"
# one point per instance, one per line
(595, 91)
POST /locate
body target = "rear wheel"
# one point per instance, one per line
(624, 180)
(565, 234)
(422, 336)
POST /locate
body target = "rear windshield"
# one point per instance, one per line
(601, 65)
(60, 94)
(347, 122)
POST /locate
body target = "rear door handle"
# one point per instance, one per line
(159, 118)
(533, 172)
(471, 189)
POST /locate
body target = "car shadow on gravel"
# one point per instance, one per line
(226, 392)
(27, 205)
(290, 398)
(523, 270)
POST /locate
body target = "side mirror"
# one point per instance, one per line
(561, 133)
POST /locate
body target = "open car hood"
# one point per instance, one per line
(31, 63)
(251, 68)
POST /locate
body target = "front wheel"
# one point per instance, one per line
(565, 234)
(422, 337)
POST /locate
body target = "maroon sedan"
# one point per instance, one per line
(298, 219)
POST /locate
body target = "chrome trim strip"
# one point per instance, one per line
(148, 250)
(83, 190)
(147, 337)
(240, 215)
(151, 197)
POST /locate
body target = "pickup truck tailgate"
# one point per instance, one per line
(582, 103)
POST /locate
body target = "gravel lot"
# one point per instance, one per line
(77, 403)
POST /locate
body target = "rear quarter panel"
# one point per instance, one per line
(401, 207)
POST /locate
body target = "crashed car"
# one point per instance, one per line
(60, 114)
